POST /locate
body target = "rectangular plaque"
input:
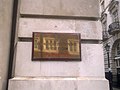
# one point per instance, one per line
(56, 46)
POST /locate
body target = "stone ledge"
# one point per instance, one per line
(58, 84)
(58, 78)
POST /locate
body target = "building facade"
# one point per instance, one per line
(110, 16)
(18, 71)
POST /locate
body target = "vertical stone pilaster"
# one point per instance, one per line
(59, 16)
(6, 7)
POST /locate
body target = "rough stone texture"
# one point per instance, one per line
(27, 26)
(0, 84)
(90, 68)
(24, 63)
(91, 64)
(30, 6)
(58, 84)
(5, 31)
(85, 8)
(88, 29)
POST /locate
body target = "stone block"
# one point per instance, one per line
(91, 64)
(58, 84)
(88, 29)
(27, 26)
(31, 6)
(24, 64)
(83, 8)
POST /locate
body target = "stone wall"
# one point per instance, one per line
(5, 32)
(78, 8)
(59, 16)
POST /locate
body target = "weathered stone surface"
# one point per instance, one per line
(31, 6)
(88, 29)
(0, 84)
(91, 64)
(58, 84)
(5, 32)
(24, 64)
(85, 8)
(27, 26)
(92, 60)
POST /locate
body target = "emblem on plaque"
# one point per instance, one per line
(56, 46)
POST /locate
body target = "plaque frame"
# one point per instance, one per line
(55, 54)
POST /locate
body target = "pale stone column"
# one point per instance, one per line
(59, 16)
(5, 32)
(0, 84)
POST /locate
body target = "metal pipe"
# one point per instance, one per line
(12, 40)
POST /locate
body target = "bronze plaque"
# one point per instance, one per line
(56, 46)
